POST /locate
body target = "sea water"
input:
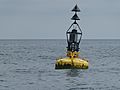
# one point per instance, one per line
(30, 65)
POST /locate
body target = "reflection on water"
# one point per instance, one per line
(73, 72)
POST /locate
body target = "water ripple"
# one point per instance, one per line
(29, 65)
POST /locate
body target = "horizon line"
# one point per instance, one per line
(58, 39)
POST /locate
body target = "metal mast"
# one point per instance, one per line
(74, 36)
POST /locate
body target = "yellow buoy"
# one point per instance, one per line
(68, 63)
(71, 62)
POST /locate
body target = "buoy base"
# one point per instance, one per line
(69, 63)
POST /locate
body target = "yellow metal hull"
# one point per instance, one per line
(71, 63)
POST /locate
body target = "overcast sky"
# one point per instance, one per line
(49, 19)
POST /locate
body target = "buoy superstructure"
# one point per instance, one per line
(74, 35)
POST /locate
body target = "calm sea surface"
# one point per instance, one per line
(29, 65)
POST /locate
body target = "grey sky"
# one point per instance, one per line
(49, 19)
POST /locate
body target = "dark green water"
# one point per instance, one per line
(29, 65)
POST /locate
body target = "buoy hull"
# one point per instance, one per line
(69, 63)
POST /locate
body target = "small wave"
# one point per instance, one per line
(82, 88)
(46, 57)
(22, 71)
(2, 80)
(1, 54)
